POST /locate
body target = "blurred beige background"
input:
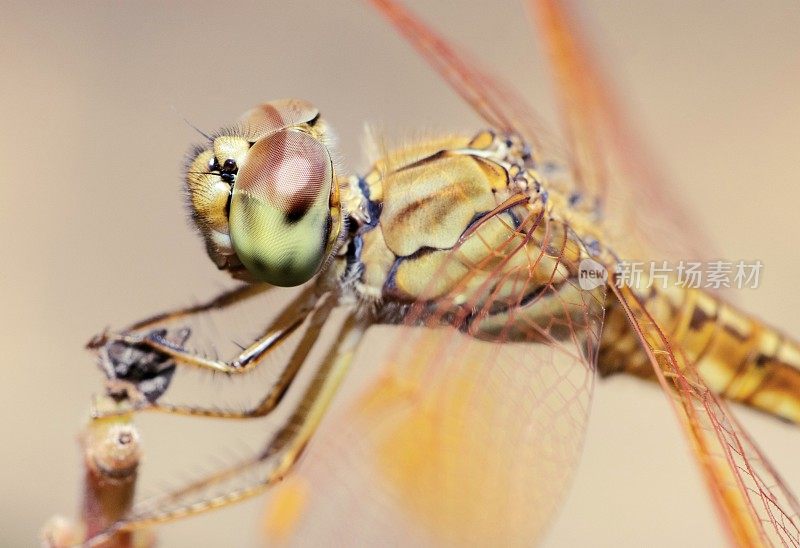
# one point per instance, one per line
(92, 97)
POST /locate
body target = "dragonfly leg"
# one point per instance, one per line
(276, 391)
(140, 366)
(220, 302)
(254, 475)
(290, 319)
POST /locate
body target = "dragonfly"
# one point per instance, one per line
(473, 251)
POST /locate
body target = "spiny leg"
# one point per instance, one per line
(277, 390)
(274, 462)
(290, 318)
(220, 302)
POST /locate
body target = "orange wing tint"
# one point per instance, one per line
(756, 507)
(606, 157)
(467, 427)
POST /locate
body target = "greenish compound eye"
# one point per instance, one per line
(280, 215)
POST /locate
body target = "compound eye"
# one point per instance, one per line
(274, 116)
(280, 214)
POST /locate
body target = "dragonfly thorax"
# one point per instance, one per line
(417, 203)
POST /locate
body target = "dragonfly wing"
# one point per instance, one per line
(606, 157)
(494, 100)
(756, 506)
(466, 424)
(473, 449)
(608, 163)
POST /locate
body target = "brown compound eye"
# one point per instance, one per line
(284, 208)
(274, 116)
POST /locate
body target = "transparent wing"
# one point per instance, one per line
(755, 505)
(607, 162)
(464, 424)
(641, 214)
(498, 103)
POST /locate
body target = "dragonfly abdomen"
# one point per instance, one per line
(738, 356)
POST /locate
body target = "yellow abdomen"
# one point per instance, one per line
(737, 356)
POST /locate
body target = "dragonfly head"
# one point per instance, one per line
(264, 195)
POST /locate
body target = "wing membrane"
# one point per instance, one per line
(607, 162)
(467, 427)
(757, 508)
(605, 155)
(499, 104)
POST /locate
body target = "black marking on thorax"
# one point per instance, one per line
(390, 285)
